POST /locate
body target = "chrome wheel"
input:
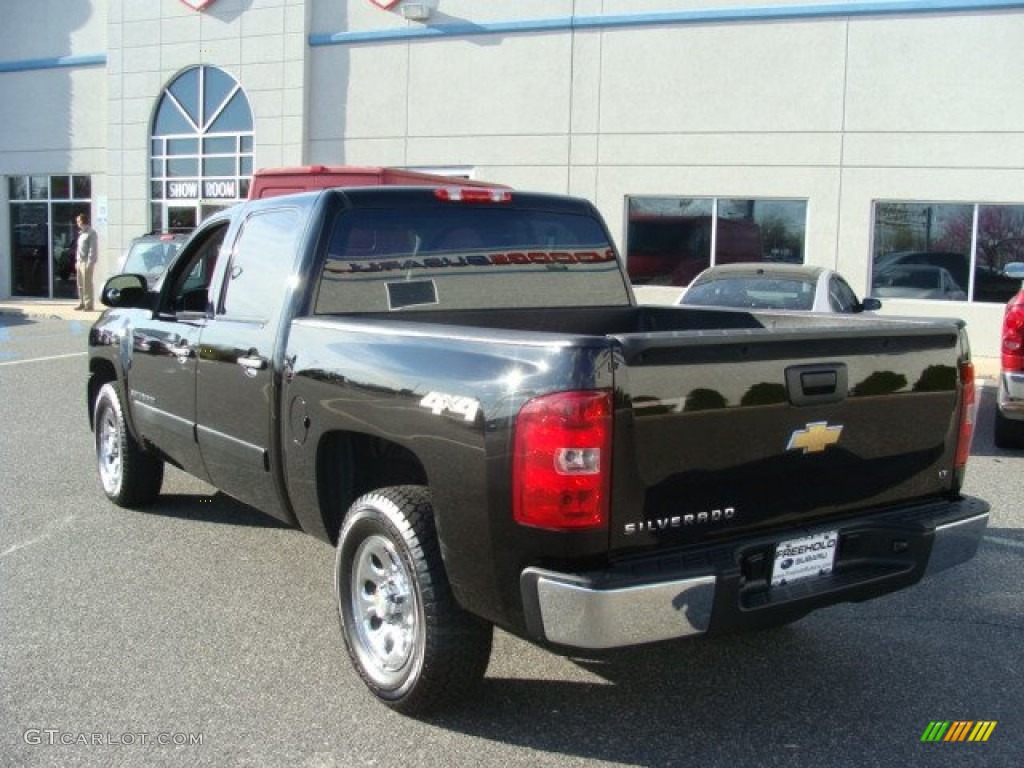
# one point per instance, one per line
(385, 609)
(409, 640)
(108, 451)
(130, 476)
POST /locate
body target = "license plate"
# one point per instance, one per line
(804, 558)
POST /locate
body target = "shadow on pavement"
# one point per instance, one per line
(984, 425)
(14, 319)
(215, 508)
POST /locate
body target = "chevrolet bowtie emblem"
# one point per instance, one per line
(815, 438)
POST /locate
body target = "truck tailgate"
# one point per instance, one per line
(722, 433)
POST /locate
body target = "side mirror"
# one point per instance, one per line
(1015, 270)
(870, 305)
(126, 291)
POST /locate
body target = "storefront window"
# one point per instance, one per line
(43, 233)
(945, 251)
(669, 240)
(201, 148)
(1000, 241)
(39, 187)
(60, 187)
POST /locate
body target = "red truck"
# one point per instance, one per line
(1009, 424)
(271, 182)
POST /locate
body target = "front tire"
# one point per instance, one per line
(130, 476)
(414, 647)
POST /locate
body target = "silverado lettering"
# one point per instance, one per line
(676, 521)
(527, 447)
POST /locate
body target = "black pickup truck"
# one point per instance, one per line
(457, 388)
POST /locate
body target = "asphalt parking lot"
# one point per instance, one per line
(200, 632)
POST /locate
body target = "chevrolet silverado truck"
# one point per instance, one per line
(456, 389)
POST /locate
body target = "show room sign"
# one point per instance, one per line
(211, 190)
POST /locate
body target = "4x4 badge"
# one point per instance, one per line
(815, 437)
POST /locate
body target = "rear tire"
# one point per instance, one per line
(414, 647)
(1008, 433)
(130, 476)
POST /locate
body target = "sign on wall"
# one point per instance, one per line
(212, 189)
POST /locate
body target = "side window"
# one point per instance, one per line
(261, 262)
(190, 280)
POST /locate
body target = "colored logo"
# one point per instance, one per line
(385, 4)
(815, 437)
(197, 5)
(959, 730)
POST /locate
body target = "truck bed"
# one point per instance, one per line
(711, 407)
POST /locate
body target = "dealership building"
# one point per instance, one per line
(884, 139)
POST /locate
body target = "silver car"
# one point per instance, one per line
(767, 285)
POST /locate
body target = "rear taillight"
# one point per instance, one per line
(562, 461)
(472, 195)
(1013, 337)
(967, 410)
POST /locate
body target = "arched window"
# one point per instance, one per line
(200, 148)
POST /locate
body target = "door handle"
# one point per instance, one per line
(817, 384)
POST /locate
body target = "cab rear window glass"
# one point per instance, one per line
(467, 258)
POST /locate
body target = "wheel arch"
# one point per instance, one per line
(100, 372)
(350, 464)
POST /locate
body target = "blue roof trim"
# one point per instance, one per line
(698, 16)
(57, 62)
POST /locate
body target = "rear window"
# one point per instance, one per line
(464, 257)
(761, 293)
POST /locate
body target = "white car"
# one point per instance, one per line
(767, 285)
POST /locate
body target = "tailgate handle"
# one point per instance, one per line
(816, 384)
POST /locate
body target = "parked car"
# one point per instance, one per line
(150, 254)
(760, 285)
(1009, 424)
(917, 281)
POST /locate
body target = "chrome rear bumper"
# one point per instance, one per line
(577, 610)
(582, 616)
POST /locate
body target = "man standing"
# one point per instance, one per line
(86, 258)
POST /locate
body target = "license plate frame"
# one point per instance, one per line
(804, 557)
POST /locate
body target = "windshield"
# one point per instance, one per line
(150, 257)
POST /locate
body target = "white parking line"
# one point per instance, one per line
(43, 359)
